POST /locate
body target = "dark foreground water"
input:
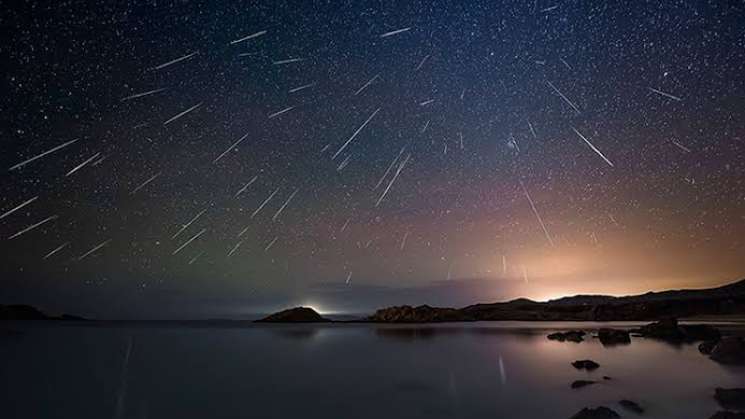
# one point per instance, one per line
(481, 370)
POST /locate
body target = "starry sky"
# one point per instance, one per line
(185, 159)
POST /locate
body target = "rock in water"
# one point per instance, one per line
(664, 329)
(581, 383)
(728, 415)
(613, 337)
(729, 350)
(707, 346)
(571, 336)
(295, 315)
(730, 398)
(669, 330)
(601, 412)
(631, 406)
(585, 364)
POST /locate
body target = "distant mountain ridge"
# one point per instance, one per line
(725, 300)
(27, 312)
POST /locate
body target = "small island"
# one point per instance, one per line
(295, 315)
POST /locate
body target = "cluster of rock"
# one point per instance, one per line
(726, 350)
(600, 412)
(419, 314)
(571, 336)
(732, 399)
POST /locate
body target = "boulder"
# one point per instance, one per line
(585, 364)
(571, 336)
(669, 330)
(609, 337)
(707, 346)
(295, 315)
(664, 329)
(730, 398)
(601, 412)
(581, 383)
(631, 406)
(729, 350)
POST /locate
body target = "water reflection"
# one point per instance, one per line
(348, 370)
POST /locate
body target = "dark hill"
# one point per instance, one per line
(295, 315)
(725, 300)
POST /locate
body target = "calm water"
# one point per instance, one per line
(481, 370)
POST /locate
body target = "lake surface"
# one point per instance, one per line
(475, 370)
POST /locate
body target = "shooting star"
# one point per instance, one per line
(177, 60)
(93, 250)
(33, 226)
(50, 151)
(426, 102)
(282, 208)
(677, 144)
(344, 163)
(182, 114)
(288, 61)
(60, 247)
(396, 32)
(369, 82)
(661, 93)
(243, 189)
(194, 237)
(145, 183)
(403, 240)
(143, 94)
(194, 259)
(593, 147)
(569, 102)
(421, 63)
(355, 134)
(246, 38)
(12, 210)
(81, 165)
(264, 203)
(185, 226)
(398, 171)
(235, 248)
(271, 243)
(390, 166)
(229, 148)
(537, 216)
(276, 114)
(531, 128)
(303, 87)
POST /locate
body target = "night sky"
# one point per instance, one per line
(215, 159)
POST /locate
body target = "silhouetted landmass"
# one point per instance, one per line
(27, 312)
(601, 412)
(726, 300)
(295, 315)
